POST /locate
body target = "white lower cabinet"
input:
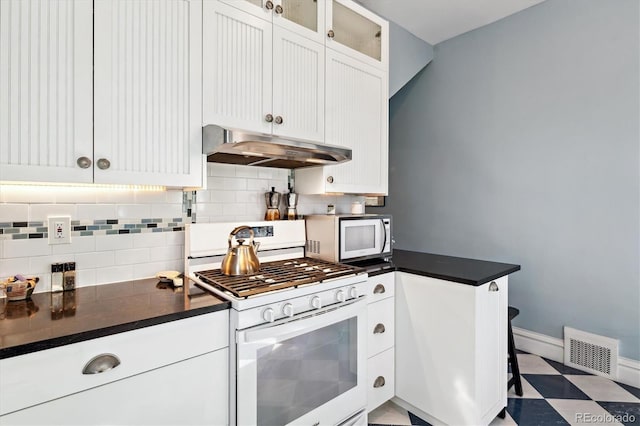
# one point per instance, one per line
(451, 349)
(163, 375)
(380, 340)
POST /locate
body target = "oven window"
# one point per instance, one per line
(300, 374)
(359, 237)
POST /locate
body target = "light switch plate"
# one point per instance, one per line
(59, 229)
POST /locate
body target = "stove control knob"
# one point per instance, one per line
(353, 293)
(287, 310)
(268, 315)
(316, 303)
(340, 296)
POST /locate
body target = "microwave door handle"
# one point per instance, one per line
(384, 236)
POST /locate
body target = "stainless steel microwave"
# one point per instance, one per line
(348, 238)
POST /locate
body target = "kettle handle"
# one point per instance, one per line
(241, 228)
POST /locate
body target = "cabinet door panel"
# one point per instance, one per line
(357, 117)
(237, 67)
(45, 90)
(148, 91)
(303, 17)
(298, 86)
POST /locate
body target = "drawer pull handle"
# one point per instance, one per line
(378, 289)
(379, 329)
(493, 286)
(101, 363)
(379, 382)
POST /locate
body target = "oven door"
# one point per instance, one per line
(308, 370)
(364, 238)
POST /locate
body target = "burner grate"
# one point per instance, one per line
(277, 275)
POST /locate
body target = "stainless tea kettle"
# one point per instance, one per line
(241, 259)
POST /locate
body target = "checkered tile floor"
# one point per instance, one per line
(554, 394)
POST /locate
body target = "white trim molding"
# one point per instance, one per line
(553, 348)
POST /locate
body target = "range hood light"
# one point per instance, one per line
(238, 147)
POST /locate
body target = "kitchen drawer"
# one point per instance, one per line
(380, 326)
(380, 366)
(380, 287)
(170, 395)
(41, 376)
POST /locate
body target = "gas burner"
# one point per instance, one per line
(277, 275)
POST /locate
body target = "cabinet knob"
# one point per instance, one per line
(379, 382)
(379, 329)
(101, 363)
(103, 164)
(279, 10)
(493, 286)
(279, 120)
(331, 34)
(379, 289)
(268, 118)
(330, 179)
(83, 162)
(269, 5)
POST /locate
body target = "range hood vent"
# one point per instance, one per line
(250, 149)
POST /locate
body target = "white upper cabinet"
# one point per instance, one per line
(357, 32)
(263, 73)
(148, 92)
(45, 90)
(356, 117)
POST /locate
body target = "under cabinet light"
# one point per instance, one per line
(71, 186)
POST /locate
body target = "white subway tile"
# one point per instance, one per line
(250, 197)
(78, 245)
(149, 239)
(44, 285)
(166, 253)
(147, 270)
(266, 173)
(42, 264)
(207, 209)
(114, 242)
(234, 183)
(115, 196)
(247, 171)
(85, 277)
(214, 182)
(132, 256)
(234, 209)
(25, 248)
(134, 211)
(175, 238)
(280, 186)
(151, 197)
(14, 212)
(203, 196)
(219, 196)
(92, 260)
(18, 265)
(114, 274)
(219, 169)
(174, 196)
(75, 195)
(166, 210)
(42, 211)
(95, 211)
(258, 185)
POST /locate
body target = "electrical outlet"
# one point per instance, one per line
(59, 230)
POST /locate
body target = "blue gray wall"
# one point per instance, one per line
(519, 143)
(407, 55)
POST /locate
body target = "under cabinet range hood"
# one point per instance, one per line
(252, 149)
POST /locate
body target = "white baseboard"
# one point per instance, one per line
(553, 348)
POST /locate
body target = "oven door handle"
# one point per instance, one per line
(299, 324)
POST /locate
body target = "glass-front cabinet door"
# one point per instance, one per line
(355, 31)
(305, 17)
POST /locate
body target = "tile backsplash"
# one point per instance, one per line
(124, 234)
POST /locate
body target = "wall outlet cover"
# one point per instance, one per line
(59, 229)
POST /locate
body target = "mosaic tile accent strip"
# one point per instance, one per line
(84, 228)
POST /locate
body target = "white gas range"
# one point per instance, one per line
(298, 347)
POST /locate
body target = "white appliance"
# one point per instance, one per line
(349, 238)
(298, 338)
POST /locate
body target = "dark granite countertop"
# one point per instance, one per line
(457, 269)
(48, 320)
